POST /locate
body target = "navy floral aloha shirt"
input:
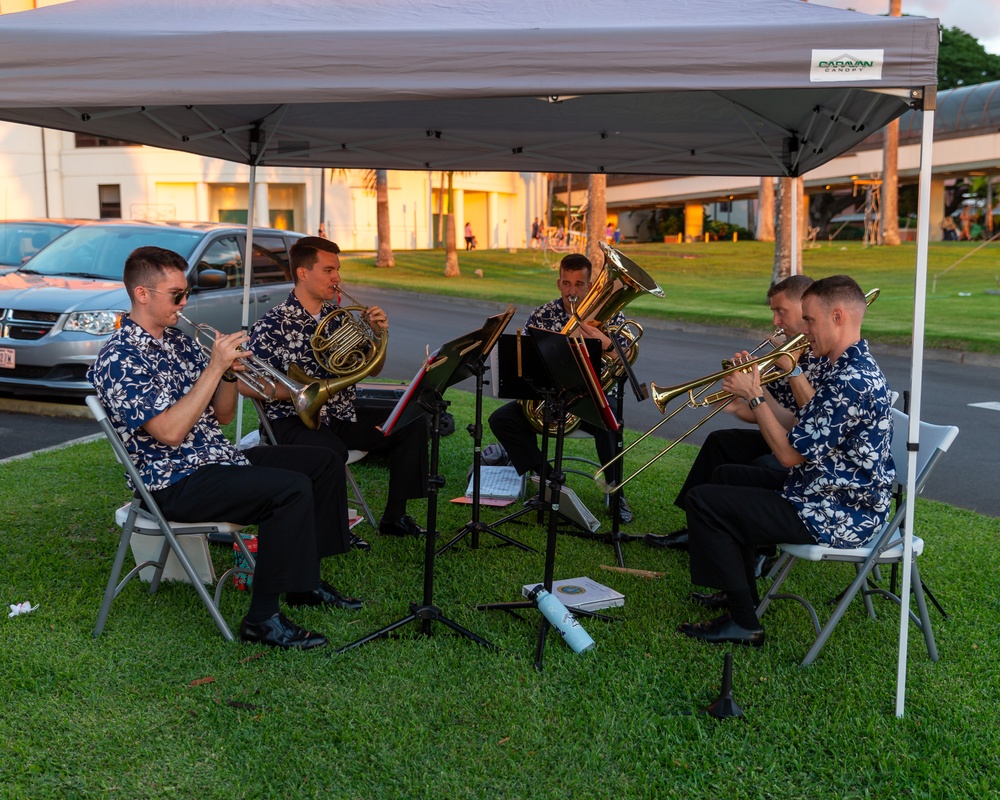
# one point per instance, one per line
(280, 338)
(553, 317)
(137, 378)
(812, 367)
(843, 490)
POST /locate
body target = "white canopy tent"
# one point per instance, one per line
(724, 87)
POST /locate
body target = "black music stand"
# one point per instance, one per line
(573, 384)
(447, 366)
(476, 365)
(616, 537)
(524, 376)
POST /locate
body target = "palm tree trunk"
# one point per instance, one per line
(765, 214)
(890, 169)
(451, 269)
(597, 217)
(440, 232)
(783, 238)
(384, 257)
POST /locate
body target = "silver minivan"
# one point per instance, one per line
(58, 309)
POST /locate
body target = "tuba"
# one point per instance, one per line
(346, 346)
(620, 282)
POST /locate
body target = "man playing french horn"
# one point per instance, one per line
(284, 338)
(509, 424)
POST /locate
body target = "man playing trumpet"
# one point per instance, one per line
(282, 337)
(167, 398)
(783, 397)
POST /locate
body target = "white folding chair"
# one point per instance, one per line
(353, 456)
(142, 516)
(885, 548)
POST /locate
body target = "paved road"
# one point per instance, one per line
(669, 355)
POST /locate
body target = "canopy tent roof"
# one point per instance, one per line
(736, 87)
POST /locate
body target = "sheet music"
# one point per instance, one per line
(502, 483)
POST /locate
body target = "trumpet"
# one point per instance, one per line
(259, 376)
(770, 371)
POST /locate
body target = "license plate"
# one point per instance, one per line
(6, 358)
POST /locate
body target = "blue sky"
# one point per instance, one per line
(981, 18)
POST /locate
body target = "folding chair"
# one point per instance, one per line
(353, 456)
(885, 548)
(143, 516)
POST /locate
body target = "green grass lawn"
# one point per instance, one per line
(128, 715)
(725, 283)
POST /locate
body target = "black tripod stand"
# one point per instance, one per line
(475, 526)
(426, 612)
(616, 537)
(556, 479)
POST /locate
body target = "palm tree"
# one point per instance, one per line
(890, 167)
(451, 269)
(597, 216)
(785, 238)
(765, 222)
(384, 256)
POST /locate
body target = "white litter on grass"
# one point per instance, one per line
(21, 608)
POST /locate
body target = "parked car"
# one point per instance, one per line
(20, 239)
(58, 309)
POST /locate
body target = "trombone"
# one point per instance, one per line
(259, 376)
(696, 389)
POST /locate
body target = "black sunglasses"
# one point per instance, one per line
(175, 296)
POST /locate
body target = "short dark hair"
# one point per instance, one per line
(306, 250)
(574, 262)
(148, 264)
(837, 289)
(792, 287)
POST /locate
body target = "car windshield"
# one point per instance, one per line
(99, 251)
(19, 241)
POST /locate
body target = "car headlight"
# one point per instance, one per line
(97, 323)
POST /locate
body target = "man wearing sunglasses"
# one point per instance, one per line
(167, 398)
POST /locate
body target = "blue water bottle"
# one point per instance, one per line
(562, 620)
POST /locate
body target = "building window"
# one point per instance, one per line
(89, 140)
(110, 197)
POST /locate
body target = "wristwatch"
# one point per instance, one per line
(756, 402)
(795, 372)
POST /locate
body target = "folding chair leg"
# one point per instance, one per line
(116, 570)
(360, 498)
(925, 620)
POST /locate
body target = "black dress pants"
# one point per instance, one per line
(728, 519)
(406, 448)
(519, 439)
(732, 446)
(297, 497)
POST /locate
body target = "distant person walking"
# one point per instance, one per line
(534, 233)
(470, 239)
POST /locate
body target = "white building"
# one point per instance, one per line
(46, 173)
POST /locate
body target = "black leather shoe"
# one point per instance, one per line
(625, 515)
(360, 544)
(323, 595)
(678, 540)
(713, 602)
(280, 631)
(723, 630)
(404, 526)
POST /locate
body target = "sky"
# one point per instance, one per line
(980, 18)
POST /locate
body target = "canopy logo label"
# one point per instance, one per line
(846, 65)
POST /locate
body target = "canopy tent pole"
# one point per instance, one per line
(247, 270)
(916, 379)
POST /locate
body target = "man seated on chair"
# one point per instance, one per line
(784, 396)
(282, 337)
(167, 399)
(837, 491)
(508, 423)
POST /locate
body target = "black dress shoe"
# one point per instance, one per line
(678, 540)
(713, 602)
(722, 630)
(625, 515)
(323, 595)
(280, 631)
(360, 544)
(404, 526)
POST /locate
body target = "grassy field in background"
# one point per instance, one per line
(725, 283)
(131, 714)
